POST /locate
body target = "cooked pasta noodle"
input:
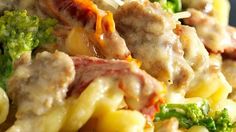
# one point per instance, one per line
(77, 43)
(122, 121)
(214, 87)
(229, 105)
(198, 129)
(4, 106)
(221, 10)
(81, 109)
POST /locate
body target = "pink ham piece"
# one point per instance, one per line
(142, 92)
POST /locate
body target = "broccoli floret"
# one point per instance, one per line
(170, 5)
(222, 121)
(189, 115)
(5, 69)
(20, 33)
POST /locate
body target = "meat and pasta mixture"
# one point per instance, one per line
(117, 66)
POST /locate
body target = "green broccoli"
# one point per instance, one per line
(189, 115)
(170, 5)
(222, 121)
(20, 33)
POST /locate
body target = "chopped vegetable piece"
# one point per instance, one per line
(190, 115)
(20, 33)
(170, 5)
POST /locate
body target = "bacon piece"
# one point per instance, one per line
(142, 92)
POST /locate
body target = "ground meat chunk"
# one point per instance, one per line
(194, 50)
(40, 84)
(142, 92)
(148, 32)
(215, 36)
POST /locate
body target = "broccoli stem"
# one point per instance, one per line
(189, 115)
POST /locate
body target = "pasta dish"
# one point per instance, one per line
(117, 66)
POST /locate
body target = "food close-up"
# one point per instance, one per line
(117, 66)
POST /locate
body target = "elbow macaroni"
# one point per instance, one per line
(214, 88)
(122, 121)
(221, 9)
(229, 105)
(4, 106)
(77, 42)
(222, 91)
(198, 129)
(99, 101)
(98, 107)
(81, 109)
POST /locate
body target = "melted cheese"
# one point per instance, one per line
(104, 20)
(77, 43)
(81, 109)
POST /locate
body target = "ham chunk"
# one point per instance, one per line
(142, 92)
